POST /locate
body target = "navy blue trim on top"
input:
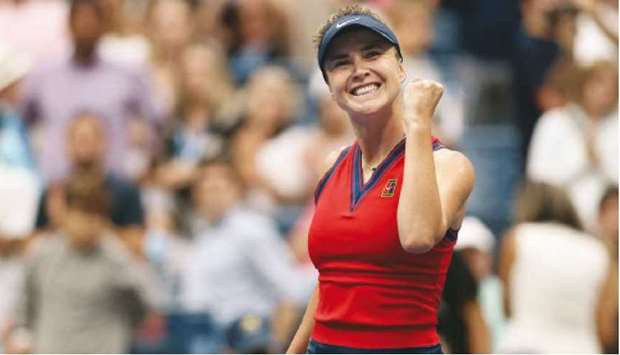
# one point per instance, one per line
(314, 347)
(359, 189)
(328, 174)
(452, 234)
(438, 145)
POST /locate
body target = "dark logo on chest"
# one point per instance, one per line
(389, 189)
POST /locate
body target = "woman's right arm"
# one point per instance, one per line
(302, 336)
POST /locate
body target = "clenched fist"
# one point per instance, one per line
(420, 98)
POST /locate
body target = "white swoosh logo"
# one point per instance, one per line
(338, 25)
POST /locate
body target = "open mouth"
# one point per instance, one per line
(365, 89)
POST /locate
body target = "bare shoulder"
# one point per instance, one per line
(452, 163)
(331, 159)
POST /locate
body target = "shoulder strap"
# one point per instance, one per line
(328, 174)
(437, 143)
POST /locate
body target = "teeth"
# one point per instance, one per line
(365, 89)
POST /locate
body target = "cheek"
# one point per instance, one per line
(394, 73)
(337, 90)
(336, 85)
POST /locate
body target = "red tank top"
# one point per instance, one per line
(372, 294)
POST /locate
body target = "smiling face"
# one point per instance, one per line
(363, 71)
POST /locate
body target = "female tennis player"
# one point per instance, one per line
(388, 209)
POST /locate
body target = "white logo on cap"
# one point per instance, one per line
(338, 25)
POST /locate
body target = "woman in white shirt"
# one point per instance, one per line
(553, 274)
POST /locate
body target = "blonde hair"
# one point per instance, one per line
(541, 202)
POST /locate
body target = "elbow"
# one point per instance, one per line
(421, 239)
(417, 248)
(419, 244)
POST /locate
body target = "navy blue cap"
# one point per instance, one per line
(349, 21)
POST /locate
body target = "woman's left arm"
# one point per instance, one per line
(436, 185)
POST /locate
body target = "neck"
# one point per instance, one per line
(594, 114)
(84, 247)
(91, 168)
(377, 136)
(84, 58)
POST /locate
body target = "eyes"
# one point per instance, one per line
(372, 53)
(346, 60)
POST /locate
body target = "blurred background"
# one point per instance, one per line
(158, 160)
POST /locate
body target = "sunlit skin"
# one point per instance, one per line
(366, 78)
(359, 58)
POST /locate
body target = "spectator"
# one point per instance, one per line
(541, 257)
(256, 35)
(19, 187)
(462, 326)
(169, 26)
(124, 41)
(547, 34)
(576, 146)
(83, 293)
(207, 21)
(607, 318)
(240, 265)
(608, 220)
(85, 82)
(561, 85)
(166, 250)
(476, 247)
(259, 147)
(86, 147)
(197, 132)
(12, 267)
(597, 31)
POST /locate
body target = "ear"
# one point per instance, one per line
(329, 87)
(402, 73)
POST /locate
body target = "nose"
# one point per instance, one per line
(360, 68)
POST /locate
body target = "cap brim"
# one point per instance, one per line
(350, 22)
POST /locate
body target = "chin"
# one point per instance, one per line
(366, 111)
(371, 107)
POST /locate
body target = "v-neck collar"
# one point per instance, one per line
(358, 188)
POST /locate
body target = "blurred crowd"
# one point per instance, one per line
(158, 160)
